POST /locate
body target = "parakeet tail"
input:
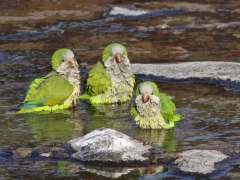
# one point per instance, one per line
(85, 97)
(176, 117)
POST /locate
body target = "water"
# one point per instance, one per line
(172, 31)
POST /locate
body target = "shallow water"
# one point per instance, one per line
(173, 31)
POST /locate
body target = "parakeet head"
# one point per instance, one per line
(116, 51)
(63, 57)
(64, 63)
(116, 61)
(147, 100)
(146, 89)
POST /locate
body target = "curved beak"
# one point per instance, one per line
(72, 63)
(118, 58)
(145, 97)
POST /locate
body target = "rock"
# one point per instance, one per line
(221, 25)
(21, 153)
(199, 161)
(163, 26)
(233, 175)
(109, 146)
(142, 28)
(235, 11)
(125, 11)
(224, 73)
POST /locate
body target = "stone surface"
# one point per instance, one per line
(199, 161)
(219, 71)
(108, 145)
(127, 11)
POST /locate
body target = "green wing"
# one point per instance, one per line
(98, 80)
(50, 90)
(168, 108)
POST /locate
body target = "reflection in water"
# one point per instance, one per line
(164, 138)
(115, 116)
(113, 172)
(55, 127)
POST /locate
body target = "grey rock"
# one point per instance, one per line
(163, 26)
(235, 11)
(142, 28)
(108, 145)
(219, 71)
(233, 24)
(199, 161)
(233, 175)
(208, 26)
(221, 25)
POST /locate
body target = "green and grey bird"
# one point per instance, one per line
(153, 109)
(59, 89)
(111, 80)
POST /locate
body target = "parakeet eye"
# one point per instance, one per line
(62, 60)
(152, 93)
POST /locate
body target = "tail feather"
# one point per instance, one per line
(30, 106)
(176, 117)
(85, 97)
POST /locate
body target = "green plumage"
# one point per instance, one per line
(50, 92)
(167, 109)
(98, 80)
(103, 85)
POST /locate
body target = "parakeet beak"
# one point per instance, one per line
(118, 58)
(72, 63)
(145, 97)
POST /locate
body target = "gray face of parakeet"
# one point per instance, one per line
(147, 103)
(117, 63)
(69, 68)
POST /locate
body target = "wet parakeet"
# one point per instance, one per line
(57, 90)
(111, 80)
(153, 109)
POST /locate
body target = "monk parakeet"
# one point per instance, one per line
(111, 80)
(154, 110)
(59, 89)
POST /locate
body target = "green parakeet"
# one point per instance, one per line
(154, 110)
(59, 89)
(111, 80)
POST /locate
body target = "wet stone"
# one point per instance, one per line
(235, 11)
(162, 26)
(233, 175)
(199, 161)
(142, 28)
(224, 73)
(221, 25)
(110, 147)
(21, 153)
